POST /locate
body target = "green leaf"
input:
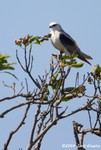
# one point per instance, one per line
(80, 89)
(45, 98)
(69, 89)
(53, 81)
(2, 56)
(54, 76)
(75, 90)
(65, 57)
(4, 64)
(47, 90)
(72, 64)
(96, 72)
(68, 97)
(35, 39)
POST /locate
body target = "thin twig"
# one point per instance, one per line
(34, 125)
(19, 126)
(90, 119)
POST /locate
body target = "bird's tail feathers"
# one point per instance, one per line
(84, 57)
(87, 56)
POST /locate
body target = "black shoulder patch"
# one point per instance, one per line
(66, 40)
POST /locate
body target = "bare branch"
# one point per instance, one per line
(14, 131)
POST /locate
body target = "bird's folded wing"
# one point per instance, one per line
(68, 42)
(65, 38)
(71, 45)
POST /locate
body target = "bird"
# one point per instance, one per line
(65, 43)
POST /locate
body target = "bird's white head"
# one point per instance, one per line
(55, 27)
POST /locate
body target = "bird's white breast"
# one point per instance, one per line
(57, 43)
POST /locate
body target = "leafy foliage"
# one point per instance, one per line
(50, 91)
(28, 40)
(68, 61)
(4, 64)
(96, 72)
